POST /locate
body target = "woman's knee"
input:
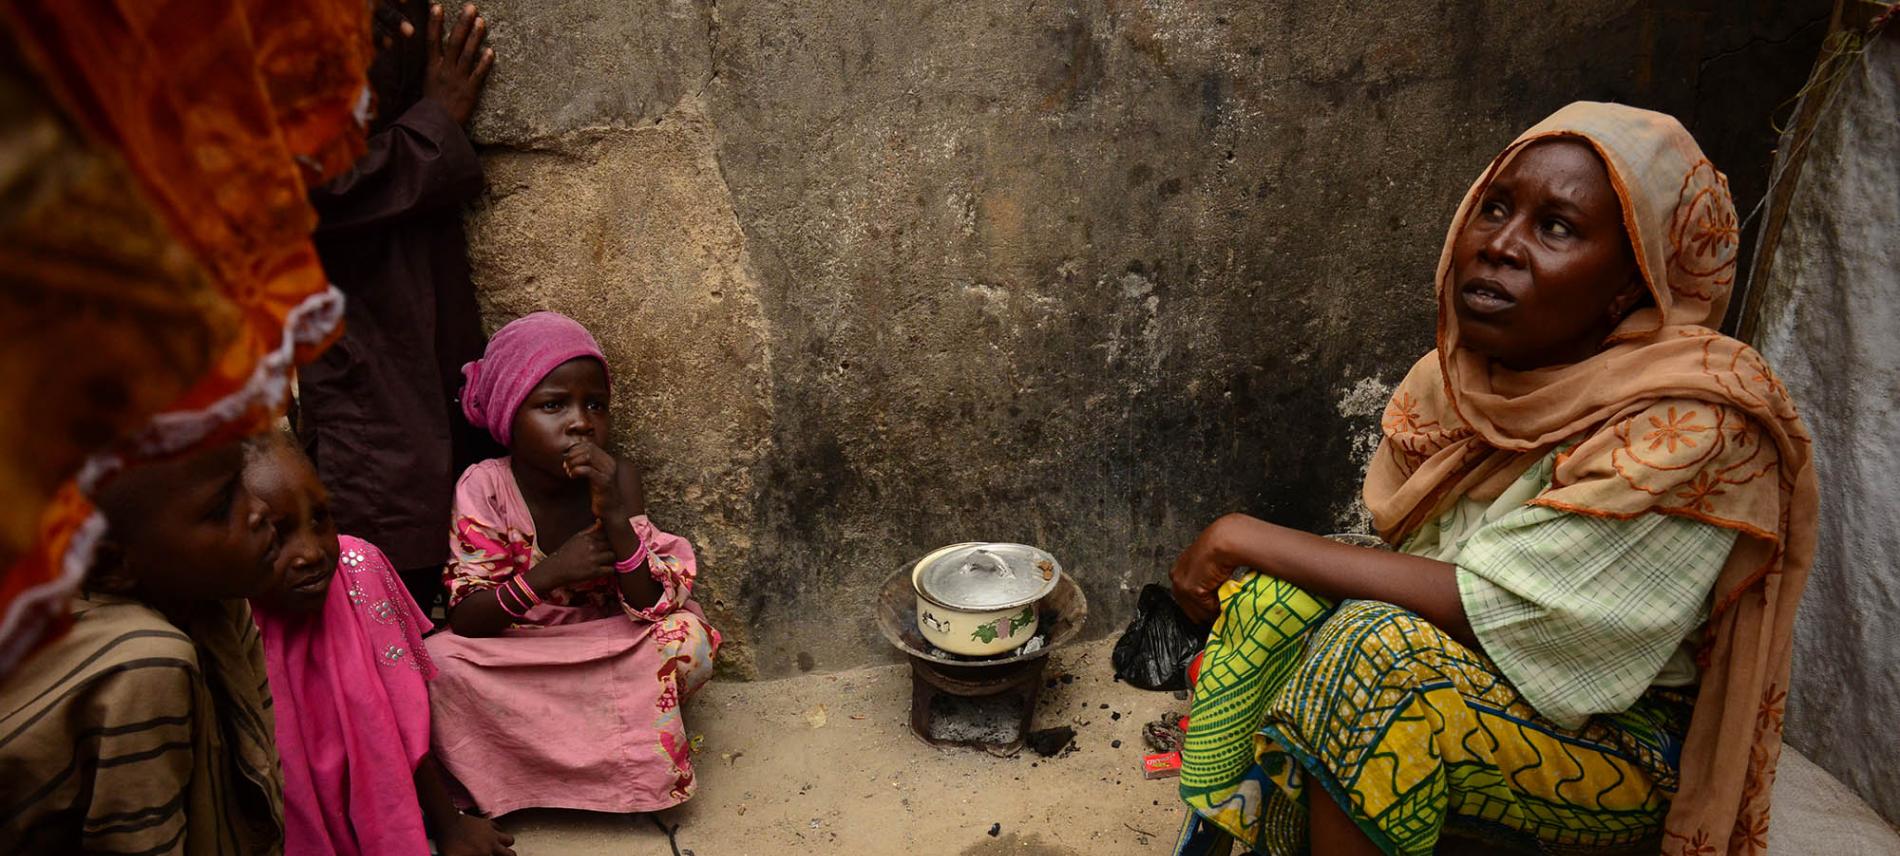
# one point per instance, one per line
(1262, 604)
(1375, 637)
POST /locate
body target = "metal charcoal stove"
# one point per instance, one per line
(983, 703)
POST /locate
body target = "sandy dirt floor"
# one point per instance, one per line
(827, 764)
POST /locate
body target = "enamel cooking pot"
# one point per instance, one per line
(979, 598)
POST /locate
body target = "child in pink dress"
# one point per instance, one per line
(343, 647)
(561, 678)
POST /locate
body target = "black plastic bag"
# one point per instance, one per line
(1155, 650)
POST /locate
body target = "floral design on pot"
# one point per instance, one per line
(1005, 628)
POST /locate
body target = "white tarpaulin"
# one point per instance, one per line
(1829, 322)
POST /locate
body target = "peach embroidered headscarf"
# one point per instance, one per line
(1460, 425)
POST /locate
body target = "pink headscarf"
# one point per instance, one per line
(519, 355)
(352, 711)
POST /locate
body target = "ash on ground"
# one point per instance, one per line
(995, 720)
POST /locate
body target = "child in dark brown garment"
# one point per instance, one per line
(377, 410)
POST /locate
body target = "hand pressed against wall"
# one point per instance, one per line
(458, 66)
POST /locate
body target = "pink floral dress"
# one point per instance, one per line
(493, 540)
(578, 706)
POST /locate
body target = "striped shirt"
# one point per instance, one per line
(132, 735)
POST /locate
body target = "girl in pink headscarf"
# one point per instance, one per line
(573, 637)
(343, 649)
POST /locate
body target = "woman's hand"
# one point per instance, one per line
(586, 556)
(585, 460)
(458, 67)
(1201, 569)
(473, 836)
(1319, 566)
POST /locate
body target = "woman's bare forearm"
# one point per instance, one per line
(1340, 571)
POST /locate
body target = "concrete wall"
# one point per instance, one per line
(1829, 321)
(878, 276)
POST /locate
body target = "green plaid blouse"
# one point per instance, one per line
(1582, 614)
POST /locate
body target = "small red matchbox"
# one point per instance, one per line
(1161, 766)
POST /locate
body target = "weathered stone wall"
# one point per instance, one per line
(878, 276)
(1829, 321)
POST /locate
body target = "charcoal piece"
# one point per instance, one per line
(1050, 741)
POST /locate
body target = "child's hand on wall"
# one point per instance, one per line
(459, 66)
(389, 23)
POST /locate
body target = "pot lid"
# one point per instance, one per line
(980, 576)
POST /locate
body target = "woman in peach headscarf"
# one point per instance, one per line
(1604, 514)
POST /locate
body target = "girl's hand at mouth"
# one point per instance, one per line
(588, 461)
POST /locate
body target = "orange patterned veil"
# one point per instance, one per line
(1460, 425)
(160, 281)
